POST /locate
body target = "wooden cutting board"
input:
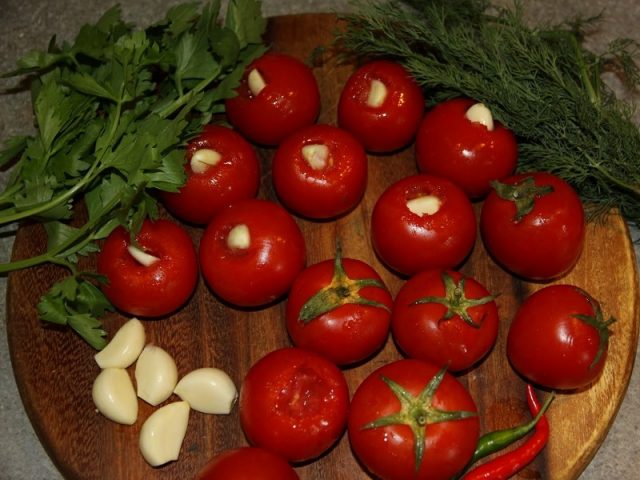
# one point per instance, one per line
(54, 368)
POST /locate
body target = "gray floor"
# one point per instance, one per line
(26, 24)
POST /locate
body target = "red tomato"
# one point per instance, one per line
(278, 94)
(423, 222)
(446, 318)
(466, 152)
(221, 167)
(155, 289)
(247, 463)
(559, 338)
(542, 244)
(320, 171)
(381, 104)
(251, 252)
(408, 403)
(294, 402)
(340, 309)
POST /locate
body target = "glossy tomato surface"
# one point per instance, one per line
(235, 176)
(450, 145)
(445, 317)
(383, 122)
(263, 265)
(289, 100)
(357, 324)
(388, 451)
(320, 171)
(247, 463)
(550, 345)
(409, 240)
(157, 289)
(546, 242)
(294, 402)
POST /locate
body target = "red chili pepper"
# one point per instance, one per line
(507, 465)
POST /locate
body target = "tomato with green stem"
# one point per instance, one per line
(340, 309)
(445, 317)
(412, 420)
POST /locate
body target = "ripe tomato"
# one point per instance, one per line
(251, 252)
(381, 104)
(456, 146)
(278, 94)
(411, 420)
(153, 278)
(320, 171)
(423, 222)
(294, 402)
(247, 463)
(533, 225)
(221, 167)
(559, 338)
(340, 309)
(446, 318)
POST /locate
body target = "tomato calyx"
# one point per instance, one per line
(523, 194)
(340, 291)
(601, 325)
(455, 300)
(417, 412)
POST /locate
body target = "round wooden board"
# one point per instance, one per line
(54, 368)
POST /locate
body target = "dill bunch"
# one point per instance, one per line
(539, 82)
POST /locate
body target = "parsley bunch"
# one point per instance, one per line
(114, 110)
(538, 81)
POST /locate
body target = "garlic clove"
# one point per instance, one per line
(316, 155)
(479, 113)
(124, 348)
(204, 159)
(156, 375)
(162, 434)
(239, 237)
(256, 82)
(377, 94)
(114, 396)
(143, 258)
(208, 390)
(425, 205)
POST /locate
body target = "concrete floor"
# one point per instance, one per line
(27, 24)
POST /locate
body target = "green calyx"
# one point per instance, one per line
(417, 412)
(455, 300)
(523, 194)
(598, 322)
(340, 291)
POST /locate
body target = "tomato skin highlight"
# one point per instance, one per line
(451, 146)
(235, 177)
(409, 243)
(265, 270)
(294, 402)
(247, 463)
(351, 332)
(290, 100)
(549, 346)
(320, 193)
(421, 331)
(388, 452)
(155, 290)
(547, 242)
(394, 123)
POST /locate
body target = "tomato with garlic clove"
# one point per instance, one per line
(155, 276)
(423, 222)
(382, 105)
(459, 139)
(320, 172)
(278, 94)
(221, 167)
(251, 252)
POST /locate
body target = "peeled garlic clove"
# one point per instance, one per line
(114, 396)
(124, 348)
(162, 433)
(208, 390)
(156, 375)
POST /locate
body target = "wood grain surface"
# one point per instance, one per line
(54, 368)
